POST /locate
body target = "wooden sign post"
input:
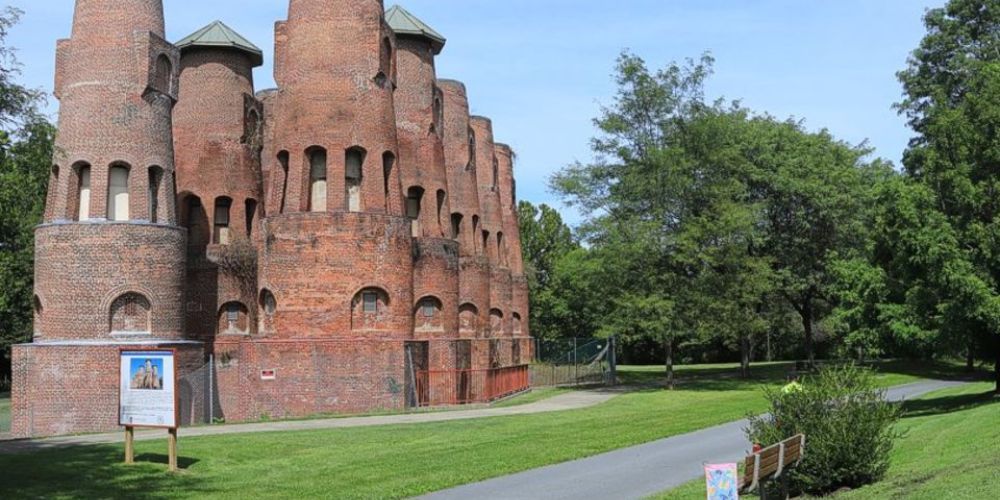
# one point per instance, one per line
(147, 397)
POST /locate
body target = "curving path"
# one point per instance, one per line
(569, 401)
(639, 471)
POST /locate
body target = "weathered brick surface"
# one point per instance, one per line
(166, 278)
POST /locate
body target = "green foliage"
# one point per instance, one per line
(848, 426)
(26, 142)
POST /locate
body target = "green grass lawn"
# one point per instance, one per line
(950, 449)
(392, 461)
(4, 411)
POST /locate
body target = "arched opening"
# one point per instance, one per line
(118, 195)
(496, 322)
(317, 179)
(268, 306)
(414, 198)
(486, 249)
(283, 162)
(496, 174)
(162, 76)
(80, 206)
(234, 319)
(153, 196)
(501, 255)
(388, 162)
(516, 319)
(427, 315)
(515, 353)
(36, 306)
(220, 227)
(370, 309)
(456, 227)
(250, 206)
(130, 313)
(438, 113)
(468, 319)
(475, 232)
(472, 150)
(354, 161)
(441, 198)
(194, 218)
(385, 71)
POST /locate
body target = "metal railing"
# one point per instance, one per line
(457, 387)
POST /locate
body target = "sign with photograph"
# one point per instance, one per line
(722, 482)
(147, 396)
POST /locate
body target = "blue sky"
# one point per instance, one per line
(542, 68)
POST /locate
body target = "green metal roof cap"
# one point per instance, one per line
(219, 35)
(404, 23)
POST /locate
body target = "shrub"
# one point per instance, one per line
(848, 423)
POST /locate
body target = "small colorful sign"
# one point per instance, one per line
(722, 481)
(268, 375)
(147, 396)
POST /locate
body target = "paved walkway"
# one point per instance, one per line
(639, 471)
(568, 401)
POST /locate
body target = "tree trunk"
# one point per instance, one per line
(668, 344)
(807, 328)
(744, 357)
(970, 358)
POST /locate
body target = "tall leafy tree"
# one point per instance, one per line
(26, 140)
(545, 241)
(952, 91)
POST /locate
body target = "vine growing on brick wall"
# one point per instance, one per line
(238, 260)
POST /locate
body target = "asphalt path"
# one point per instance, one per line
(638, 471)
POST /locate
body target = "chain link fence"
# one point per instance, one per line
(576, 361)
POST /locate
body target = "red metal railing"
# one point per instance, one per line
(456, 387)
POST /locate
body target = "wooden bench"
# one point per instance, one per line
(771, 462)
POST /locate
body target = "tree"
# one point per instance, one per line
(545, 241)
(26, 141)
(951, 90)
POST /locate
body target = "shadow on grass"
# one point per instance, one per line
(948, 404)
(930, 369)
(94, 471)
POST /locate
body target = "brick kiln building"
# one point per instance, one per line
(345, 242)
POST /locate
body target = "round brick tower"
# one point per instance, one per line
(493, 237)
(109, 256)
(519, 307)
(217, 133)
(474, 276)
(420, 128)
(337, 259)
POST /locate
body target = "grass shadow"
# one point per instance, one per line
(95, 471)
(948, 404)
(159, 458)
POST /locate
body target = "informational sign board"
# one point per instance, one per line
(147, 396)
(722, 482)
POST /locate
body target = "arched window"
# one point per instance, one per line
(385, 63)
(283, 161)
(414, 198)
(427, 314)
(496, 322)
(82, 202)
(441, 198)
(250, 206)
(472, 150)
(456, 227)
(317, 179)
(496, 174)
(369, 309)
(486, 249)
(130, 314)
(475, 232)
(501, 255)
(162, 77)
(234, 318)
(194, 218)
(118, 199)
(153, 197)
(468, 319)
(268, 306)
(355, 159)
(517, 322)
(36, 304)
(388, 161)
(220, 229)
